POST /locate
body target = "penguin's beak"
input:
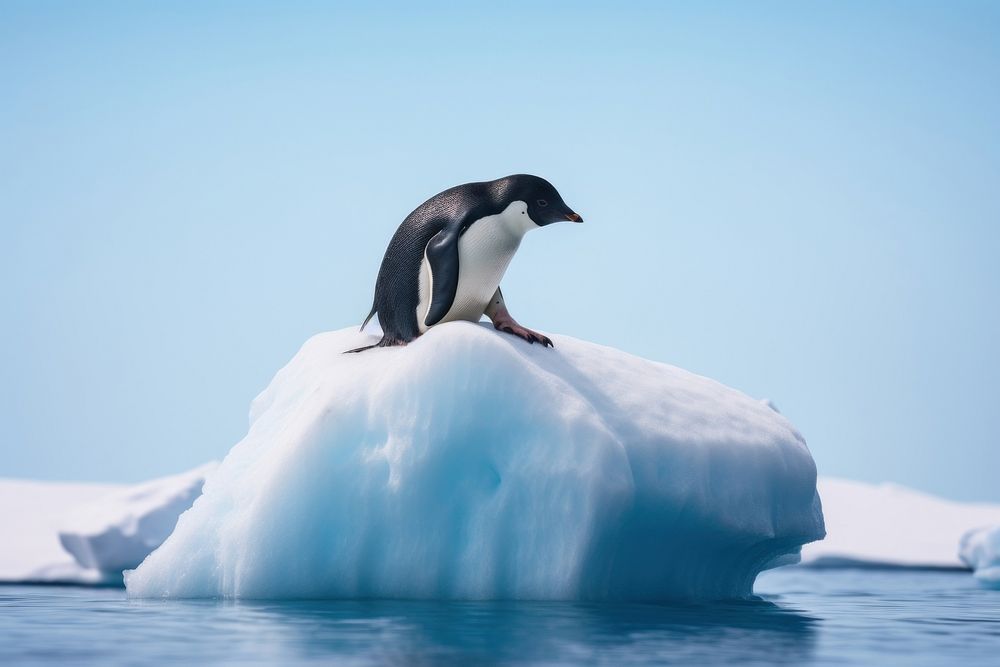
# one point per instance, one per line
(573, 217)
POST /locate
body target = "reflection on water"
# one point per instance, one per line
(504, 633)
(813, 618)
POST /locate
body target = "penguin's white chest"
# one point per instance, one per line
(484, 252)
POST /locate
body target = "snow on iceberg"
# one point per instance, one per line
(471, 465)
(980, 550)
(117, 531)
(888, 525)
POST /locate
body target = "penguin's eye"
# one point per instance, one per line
(542, 202)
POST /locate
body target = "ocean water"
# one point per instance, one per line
(805, 617)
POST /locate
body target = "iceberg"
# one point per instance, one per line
(892, 526)
(471, 465)
(980, 550)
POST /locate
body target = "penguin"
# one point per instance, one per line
(446, 259)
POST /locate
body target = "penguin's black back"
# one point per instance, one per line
(397, 288)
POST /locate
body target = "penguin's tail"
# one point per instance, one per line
(360, 349)
(369, 318)
(387, 341)
(362, 328)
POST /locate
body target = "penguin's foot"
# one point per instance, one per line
(509, 325)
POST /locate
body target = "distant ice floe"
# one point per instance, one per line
(30, 516)
(117, 531)
(888, 525)
(86, 534)
(471, 465)
(980, 550)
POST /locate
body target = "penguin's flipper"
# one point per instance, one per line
(442, 257)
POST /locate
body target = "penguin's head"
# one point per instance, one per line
(545, 205)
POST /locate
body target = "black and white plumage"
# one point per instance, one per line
(446, 259)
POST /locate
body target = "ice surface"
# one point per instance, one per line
(980, 550)
(117, 531)
(888, 525)
(472, 465)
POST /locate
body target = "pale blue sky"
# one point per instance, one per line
(801, 200)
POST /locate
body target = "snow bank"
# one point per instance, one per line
(980, 550)
(117, 531)
(887, 525)
(86, 534)
(472, 465)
